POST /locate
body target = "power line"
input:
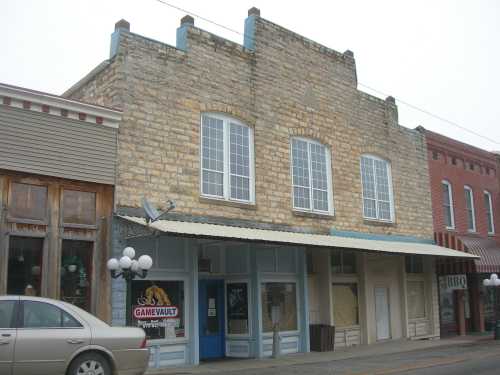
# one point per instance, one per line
(414, 107)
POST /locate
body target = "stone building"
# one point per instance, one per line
(299, 198)
(57, 175)
(465, 192)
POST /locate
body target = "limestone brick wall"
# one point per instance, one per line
(287, 85)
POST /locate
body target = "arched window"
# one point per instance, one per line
(311, 176)
(469, 207)
(227, 165)
(377, 188)
(488, 204)
(449, 217)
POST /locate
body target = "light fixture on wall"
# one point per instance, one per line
(494, 282)
(128, 268)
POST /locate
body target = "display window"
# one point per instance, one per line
(76, 273)
(237, 308)
(279, 305)
(158, 308)
(24, 273)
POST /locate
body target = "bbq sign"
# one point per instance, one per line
(155, 312)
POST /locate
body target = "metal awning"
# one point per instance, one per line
(294, 238)
(487, 249)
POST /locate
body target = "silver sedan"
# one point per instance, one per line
(48, 337)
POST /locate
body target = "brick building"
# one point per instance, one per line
(465, 198)
(299, 198)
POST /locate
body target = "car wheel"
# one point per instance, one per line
(89, 364)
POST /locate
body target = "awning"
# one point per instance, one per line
(294, 238)
(487, 249)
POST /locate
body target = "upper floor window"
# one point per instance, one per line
(311, 176)
(469, 207)
(226, 159)
(449, 219)
(79, 207)
(27, 201)
(489, 212)
(343, 261)
(377, 188)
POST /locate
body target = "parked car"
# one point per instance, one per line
(41, 336)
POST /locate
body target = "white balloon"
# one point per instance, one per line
(135, 266)
(486, 282)
(145, 262)
(496, 282)
(129, 252)
(494, 276)
(113, 264)
(125, 262)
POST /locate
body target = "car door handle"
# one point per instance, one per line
(74, 341)
(6, 335)
(4, 342)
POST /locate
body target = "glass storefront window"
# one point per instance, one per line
(28, 202)
(237, 308)
(279, 300)
(343, 262)
(24, 274)
(416, 299)
(76, 273)
(79, 207)
(345, 304)
(158, 308)
(414, 264)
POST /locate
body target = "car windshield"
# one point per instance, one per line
(89, 318)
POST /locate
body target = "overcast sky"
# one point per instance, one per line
(441, 56)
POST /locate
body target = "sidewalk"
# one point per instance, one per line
(392, 347)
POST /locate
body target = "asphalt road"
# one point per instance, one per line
(471, 359)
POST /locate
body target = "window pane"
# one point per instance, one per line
(69, 322)
(158, 308)
(28, 201)
(79, 207)
(448, 220)
(414, 264)
(336, 262)
(300, 174)
(239, 157)
(489, 214)
(382, 178)
(367, 177)
(76, 273)
(345, 304)
(41, 315)
(7, 314)
(348, 262)
(279, 298)
(319, 176)
(370, 208)
(24, 272)
(237, 308)
(416, 299)
(212, 132)
(469, 207)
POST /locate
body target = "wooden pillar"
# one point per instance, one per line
(460, 311)
(4, 250)
(477, 307)
(51, 269)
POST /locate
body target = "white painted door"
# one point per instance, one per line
(382, 315)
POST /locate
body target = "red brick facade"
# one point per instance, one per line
(462, 165)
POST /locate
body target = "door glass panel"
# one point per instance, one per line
(24, 272)
(279, 302)
(76, 271)
(212, 313)
(28, 201)
(41, 315)
(6, 314)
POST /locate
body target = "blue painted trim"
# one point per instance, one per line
(256, 351)
(379, 237)
(181, 37)
(304, 323)
(249, 33)
(195, 331)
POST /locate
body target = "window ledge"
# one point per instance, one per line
(378, 223)
(314, 215)
(222, 202)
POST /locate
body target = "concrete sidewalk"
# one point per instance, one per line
(393, 347)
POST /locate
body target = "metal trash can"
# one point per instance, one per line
(322, 337)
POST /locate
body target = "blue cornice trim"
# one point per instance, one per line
(379, 237)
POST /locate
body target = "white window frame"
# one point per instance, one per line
(226, 162)
(331, 210)
(491, 216)
(450, 197)
(468, 188)
(391, 194)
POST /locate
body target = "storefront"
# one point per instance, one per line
(216, 291)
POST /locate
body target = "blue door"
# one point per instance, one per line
(211, 318)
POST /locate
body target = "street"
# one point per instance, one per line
(478, 358)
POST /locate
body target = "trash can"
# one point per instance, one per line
(322, 337)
